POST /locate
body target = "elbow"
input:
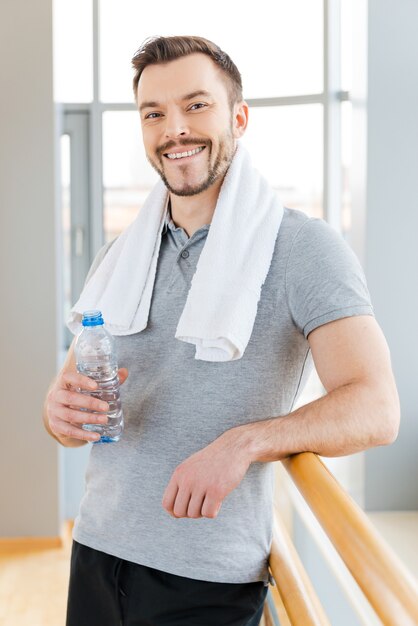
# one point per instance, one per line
(390, 434)
(390, 421)
(384, 410)
(392, 429)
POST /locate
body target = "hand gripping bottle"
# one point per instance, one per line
(96, 357)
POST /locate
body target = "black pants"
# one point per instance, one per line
(108, 591)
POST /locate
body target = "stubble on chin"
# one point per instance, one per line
(216, 171)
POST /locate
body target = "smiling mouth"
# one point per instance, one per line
(184, 156)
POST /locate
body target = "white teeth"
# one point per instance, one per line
(180, 155)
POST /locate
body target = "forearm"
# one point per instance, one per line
(349, 419)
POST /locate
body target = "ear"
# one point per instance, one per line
(240, 118)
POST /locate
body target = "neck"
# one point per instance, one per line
(193, 212)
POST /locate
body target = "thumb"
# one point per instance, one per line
(123, 375)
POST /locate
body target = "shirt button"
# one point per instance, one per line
(185, 254)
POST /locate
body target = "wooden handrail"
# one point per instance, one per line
(384, 580)
(294, 586)
(278, 615)
(282, 614)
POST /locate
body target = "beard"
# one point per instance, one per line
(215, 172)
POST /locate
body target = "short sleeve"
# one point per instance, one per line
(324, 278)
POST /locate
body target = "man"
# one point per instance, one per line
(175, 524)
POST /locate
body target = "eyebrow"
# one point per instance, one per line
(150, 104)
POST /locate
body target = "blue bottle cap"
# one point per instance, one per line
(92, 318)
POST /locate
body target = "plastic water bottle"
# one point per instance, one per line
(96, 357)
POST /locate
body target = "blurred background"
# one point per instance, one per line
(333, 95)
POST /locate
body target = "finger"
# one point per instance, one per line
(123, 375)
(181, 503)
(80, 400)
(210, 507)
(74, 380)
(169, 496)
(194, 509)
(78, 417)
(62, 428)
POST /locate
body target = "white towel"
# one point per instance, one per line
(221, 305)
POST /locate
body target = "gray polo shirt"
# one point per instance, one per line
(174, 405)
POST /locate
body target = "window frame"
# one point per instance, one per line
(330, 98)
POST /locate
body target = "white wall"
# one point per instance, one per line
(28, 456)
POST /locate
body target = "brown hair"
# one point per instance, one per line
(163, 49)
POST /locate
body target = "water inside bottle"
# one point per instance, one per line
(105, 374)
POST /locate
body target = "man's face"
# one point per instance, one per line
(183, 107)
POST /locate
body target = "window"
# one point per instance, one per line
(73, 50)
(287, 148)
(283, 56)
(293, 67)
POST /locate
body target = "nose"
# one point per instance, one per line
(175, 125)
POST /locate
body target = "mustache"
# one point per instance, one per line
(184, 142)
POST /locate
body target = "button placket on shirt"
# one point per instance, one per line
(184, 253)
(197, 236)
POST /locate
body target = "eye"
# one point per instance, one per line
(198, 104)
(148, 116)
